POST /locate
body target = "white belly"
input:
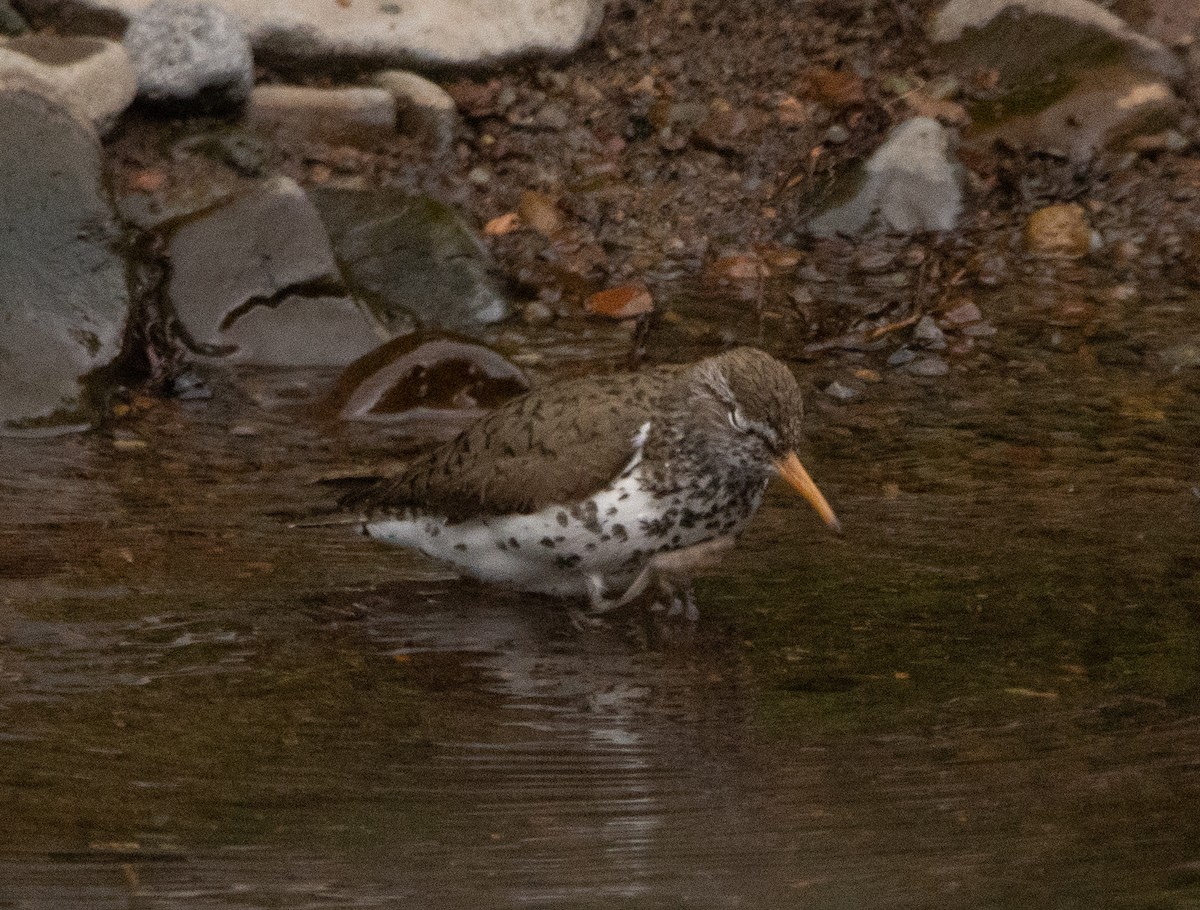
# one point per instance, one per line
(608, 538)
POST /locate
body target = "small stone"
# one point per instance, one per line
(125, 441)
(244, 430)
(540, 212)
(423, 107)
(801, 296)
(552, 116)
(837, 134)
(900, 357)
(623, 302)
(836, 88)
(189, 53)
(536, 313)
(480, 176)
(867, 375)
(928, 365)
(722, 129)
(873, 262)
(962, 314)
(839, 392)
(739, 268)
(928, 335)
(979, 330)
(1059, 231)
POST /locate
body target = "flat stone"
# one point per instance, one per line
(189, 53)
(928, 365)
(911, 184)
(93, 73)
(840, 392)
(422, 107)
(314, 34)
(64, 300)
(411, 257)
(238, 257)
(338, 114)
(303, 332)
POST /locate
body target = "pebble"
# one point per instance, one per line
(963, 314)
(928, 335)
(873, 262)
(837, 134)
(840, 392)
(928, 365)
(537, 313)
(900, 356)
(979, 330)
(801, 296)
(480, 176)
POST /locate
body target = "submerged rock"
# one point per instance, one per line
(417, 377)
(911, 184)
(189, 52)
(1073, 78)
(94, 74)
(411, 257)
(309, 33)
(64, 299)
(246, 290)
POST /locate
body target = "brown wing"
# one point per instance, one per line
(554, 445)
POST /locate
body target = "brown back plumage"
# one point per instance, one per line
(559, 444)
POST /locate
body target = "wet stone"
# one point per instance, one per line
(900, 357)
(928, 365)
(411, 257)
(347, 115)
(64, 299)
(927, 334)
(840, 392)
(245, 290)
(418, 377)
(1059, 231)
(12, 23)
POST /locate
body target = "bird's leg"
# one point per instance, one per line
(596, 597)
(673, 570)
(683, 597)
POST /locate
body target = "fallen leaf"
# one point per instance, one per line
(502, 224)
(622, 302)
(836, 88)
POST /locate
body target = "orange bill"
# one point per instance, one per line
(793, 472)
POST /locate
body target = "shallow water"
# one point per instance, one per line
(987, 694)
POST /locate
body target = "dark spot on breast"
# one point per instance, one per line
(612, 510)
(547, 542)
(561, 518)
(568, 561)
(514, 543)
(461, 547)
(501, 545)
(619, 533)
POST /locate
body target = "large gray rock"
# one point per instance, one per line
(1073, 78)
(255, 281)
(405, 33)
(412, 256)
(911, 184)
(189, 52)
(64, 299)
(94, 74)
(11, 22)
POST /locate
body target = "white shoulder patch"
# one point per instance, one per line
(639, 443)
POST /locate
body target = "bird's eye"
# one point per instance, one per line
(738, 421)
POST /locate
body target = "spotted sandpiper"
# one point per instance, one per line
(593, 487)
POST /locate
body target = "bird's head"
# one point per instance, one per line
(751, 404)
